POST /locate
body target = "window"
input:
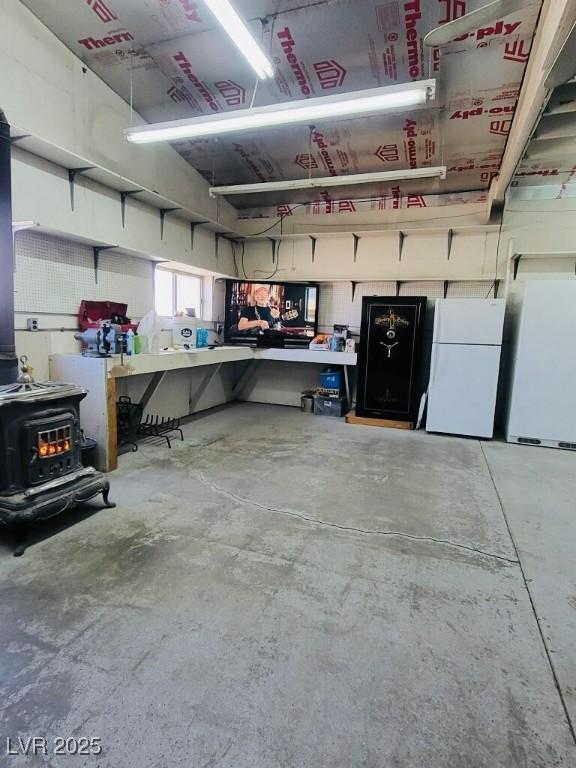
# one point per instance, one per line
(164, 292)
(176, 292)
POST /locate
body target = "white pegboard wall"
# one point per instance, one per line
(473, 289)
(432, 289)
(53, 275)
(336, 305)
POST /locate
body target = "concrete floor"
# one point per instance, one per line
(286, 591)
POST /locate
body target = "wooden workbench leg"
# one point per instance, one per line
(112, 452)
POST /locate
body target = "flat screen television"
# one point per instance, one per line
(270, 314)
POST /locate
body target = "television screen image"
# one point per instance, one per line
(270, 314)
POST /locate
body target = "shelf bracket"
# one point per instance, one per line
(124, 195)
(516, 260)
(401, 238)
(163, 212)
(72, 173)
(354, 286)
(398, 284)
(14, 139)
(273, 246)
(446, 284)
(217, 237)
(313, 240)
(96, 250)
(496, 288)
(193, 225)
(450, 236)
(356, 241)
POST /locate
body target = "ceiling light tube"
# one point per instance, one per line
(356, 104)
(331, 181)
(241, 37)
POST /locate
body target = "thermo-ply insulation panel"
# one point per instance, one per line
(182, 64)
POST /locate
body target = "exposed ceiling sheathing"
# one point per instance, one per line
(179, 63)
(550, 158)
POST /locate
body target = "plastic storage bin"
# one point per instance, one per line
(330, 406)
(331, 379)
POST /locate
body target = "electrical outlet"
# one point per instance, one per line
(32, 324)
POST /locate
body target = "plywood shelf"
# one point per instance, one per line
(90, 169)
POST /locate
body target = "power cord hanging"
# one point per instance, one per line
(131, 86)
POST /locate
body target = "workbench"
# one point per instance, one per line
(99, 376)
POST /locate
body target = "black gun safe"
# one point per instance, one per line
(390, 357)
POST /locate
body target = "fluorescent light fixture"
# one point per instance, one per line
(331, 181)
(355, 104)
(241, 37)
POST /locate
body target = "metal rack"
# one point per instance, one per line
(156, 426)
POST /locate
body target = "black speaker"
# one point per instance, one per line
(390, 357)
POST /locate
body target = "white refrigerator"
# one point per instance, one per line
(464, 367)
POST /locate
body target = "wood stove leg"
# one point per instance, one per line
(105, 492)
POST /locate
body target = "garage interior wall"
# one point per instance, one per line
(477, 258)
(51, 278)
(41, 195)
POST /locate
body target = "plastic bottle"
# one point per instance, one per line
(137, 344)
(130, 342)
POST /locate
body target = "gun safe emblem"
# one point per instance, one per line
(391, 321)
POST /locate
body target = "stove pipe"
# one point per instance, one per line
(8, 359)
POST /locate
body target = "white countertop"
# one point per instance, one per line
(177, 359)
(170, 360)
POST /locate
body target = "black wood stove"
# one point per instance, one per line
(41, 474)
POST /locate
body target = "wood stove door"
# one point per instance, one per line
(52, 447)
(389, 360)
